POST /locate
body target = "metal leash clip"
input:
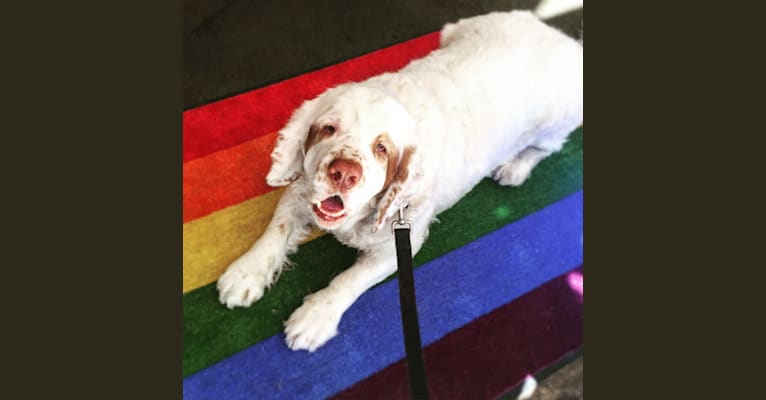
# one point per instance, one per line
(401, 222)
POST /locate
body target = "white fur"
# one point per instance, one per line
(527, 388)
(502, 92)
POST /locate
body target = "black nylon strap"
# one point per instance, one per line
(412, 344)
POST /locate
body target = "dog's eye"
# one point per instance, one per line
(380, 148)
(328, 129)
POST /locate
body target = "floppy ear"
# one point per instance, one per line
(399, 192)
(287, 157)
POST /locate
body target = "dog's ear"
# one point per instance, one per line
(400, 190)
(287, 157)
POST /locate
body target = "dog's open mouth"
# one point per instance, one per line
(330, 210)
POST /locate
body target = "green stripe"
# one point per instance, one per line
(213, 332)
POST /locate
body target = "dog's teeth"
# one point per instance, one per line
(328, 213)
(338, 214)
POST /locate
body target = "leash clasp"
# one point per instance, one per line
(401, 223)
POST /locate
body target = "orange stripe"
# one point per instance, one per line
(227, 177)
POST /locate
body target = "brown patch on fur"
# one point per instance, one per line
(390, 158)
(403, 171)
(392, 188)
(281, 228)
(390, 196)
(312, 138)
(316, 134)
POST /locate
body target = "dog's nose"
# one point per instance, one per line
(345, 174)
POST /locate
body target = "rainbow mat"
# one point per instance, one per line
(499, 280)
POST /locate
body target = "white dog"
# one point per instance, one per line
(502, 93)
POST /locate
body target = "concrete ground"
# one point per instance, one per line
(232, 46)
(564, 384)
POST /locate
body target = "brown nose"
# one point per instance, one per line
(345, 174)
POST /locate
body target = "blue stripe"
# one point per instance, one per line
(452, 290)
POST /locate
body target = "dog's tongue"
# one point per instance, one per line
(333, 204)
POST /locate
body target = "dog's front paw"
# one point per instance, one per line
(315, 322)
(245, 281)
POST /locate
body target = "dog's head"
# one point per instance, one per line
(353, 146)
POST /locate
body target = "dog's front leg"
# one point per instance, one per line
(316, 321)
(246, 279)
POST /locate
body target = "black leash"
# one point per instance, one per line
(412, 344)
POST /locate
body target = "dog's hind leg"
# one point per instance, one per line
(518, 169)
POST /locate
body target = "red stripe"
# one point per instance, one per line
(492, 354)
(234, 120)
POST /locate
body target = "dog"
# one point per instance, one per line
(503, 91)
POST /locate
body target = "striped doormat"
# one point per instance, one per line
(499, 281)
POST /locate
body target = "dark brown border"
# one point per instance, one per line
(93, 141)
(657, 322)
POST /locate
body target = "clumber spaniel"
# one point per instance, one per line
(502, 92)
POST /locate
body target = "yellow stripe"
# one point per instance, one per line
(213, 242)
